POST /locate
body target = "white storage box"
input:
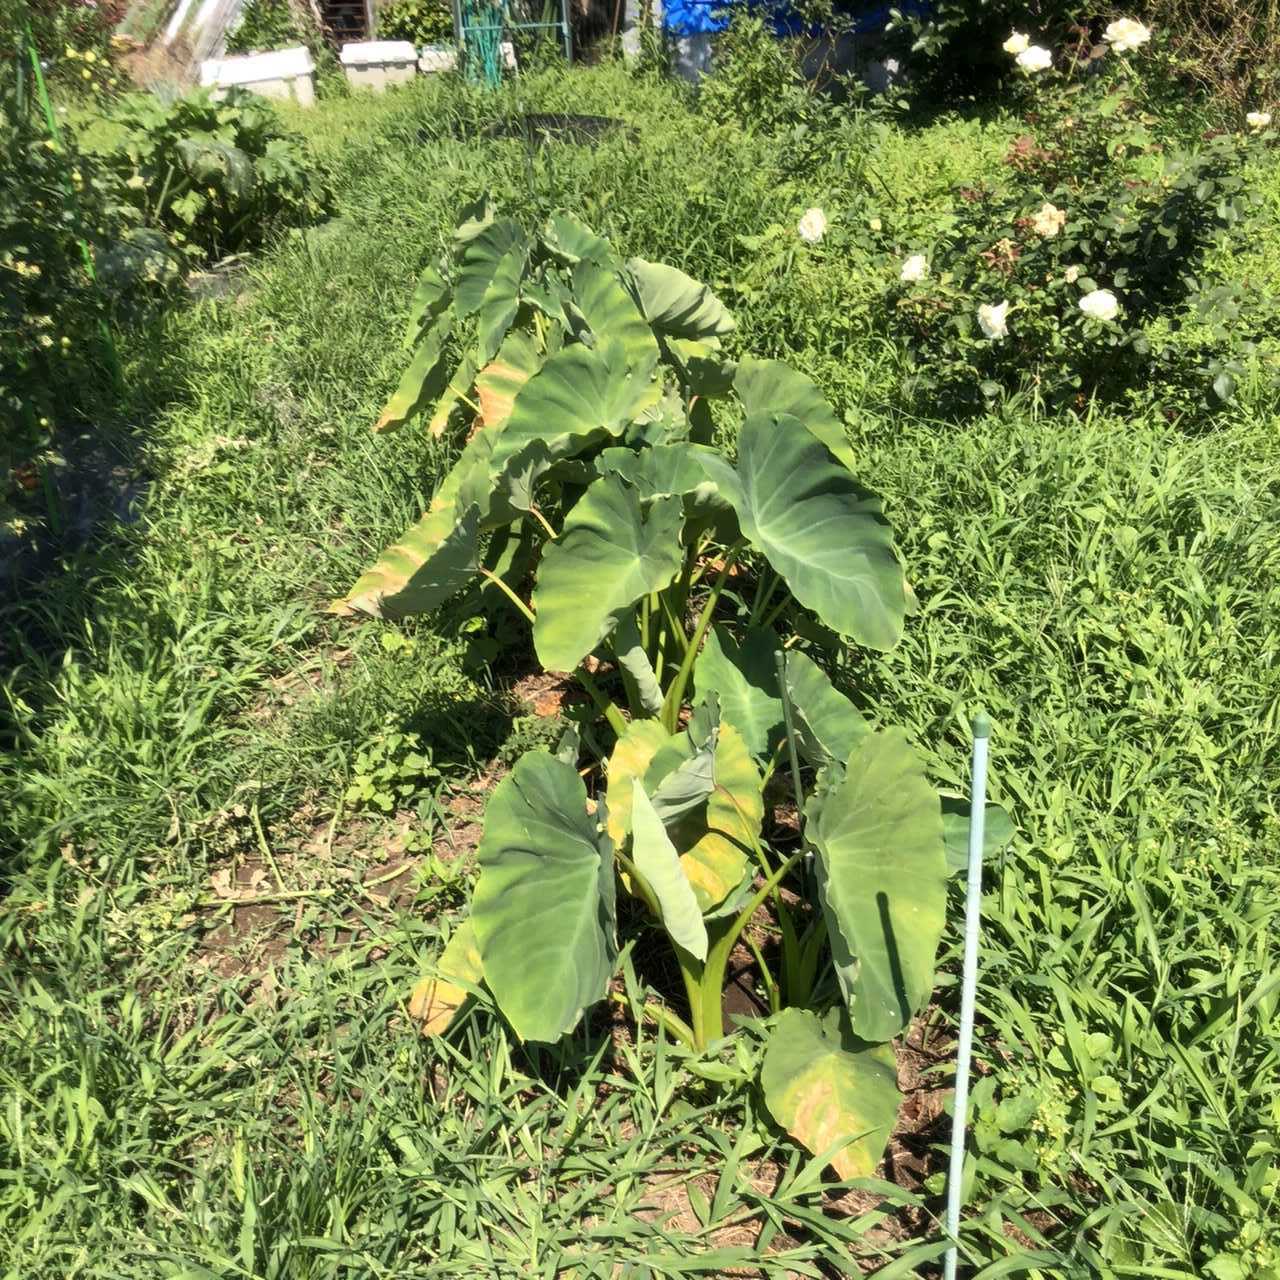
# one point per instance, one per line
(443, 57)
(283, 73)
(437, 57)
(374, 64)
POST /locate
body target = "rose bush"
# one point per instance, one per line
(1075, 273)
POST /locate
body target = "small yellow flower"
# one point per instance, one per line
(90, 56)
(87, 74)
(875, 224)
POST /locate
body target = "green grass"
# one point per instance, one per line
(177, 699)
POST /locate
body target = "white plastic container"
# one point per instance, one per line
(437, 57)
(375, 64)
(283, 73)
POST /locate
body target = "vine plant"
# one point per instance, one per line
(662, 570)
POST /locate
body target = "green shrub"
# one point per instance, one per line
(52, 204)
(418, 21)
(1073, 273)
(218, 176)
(265, 24)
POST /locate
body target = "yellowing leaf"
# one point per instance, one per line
(716, 848)
(631, 756)
(836, 1096)
(435, 1000)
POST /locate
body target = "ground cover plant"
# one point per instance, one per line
(207, 1060)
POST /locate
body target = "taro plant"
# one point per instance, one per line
(661, 571)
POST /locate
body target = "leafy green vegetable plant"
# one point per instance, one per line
(660, 569)
(218, 175)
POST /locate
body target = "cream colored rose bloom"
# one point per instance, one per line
(1016, 43)
(1072, 274)
(1049, 220)
(993, 321)
(914, 269)
(1126, 34)
(812, 226)
(1258, 119)
(1035, 59)
(1101, 304)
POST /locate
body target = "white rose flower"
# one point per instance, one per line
(1049, 220)
(993, 320)
(813, 226)
(1126, 34)
(1035, 59)
(1258, 119)
(914, 269)
(1101, 304)
(1016, 43)
(1072, 274)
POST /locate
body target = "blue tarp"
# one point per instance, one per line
(701, 17)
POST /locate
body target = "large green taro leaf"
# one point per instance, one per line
(571, 240)
(430, 298)
(501, 301)
(676, 304)
(543, 909)
(665, 471)
(438, 555)
(481, 259)
(423, 380)
(840, 1099)
(578, 397)
(824, 535)
(745, 677)
(656, 860)
(827, 725)
(769, 386)
(883, 880)
(612, 315)
(609, 554)
(502, 379)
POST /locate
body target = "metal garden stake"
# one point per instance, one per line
(972, 919)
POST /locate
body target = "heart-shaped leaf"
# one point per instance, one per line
(817, 528)
(571, 240)
(501, 301)
(838, 1098)
(883, 880)
(423, 380)
(612, 315)
(769, 386)
(502, 379)
(656, 860)
(439, 554)
(481, 258)
(543, 910)
(609, 554)
(676, 304)
(579, 396)
(827, 725)
(745, 677)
